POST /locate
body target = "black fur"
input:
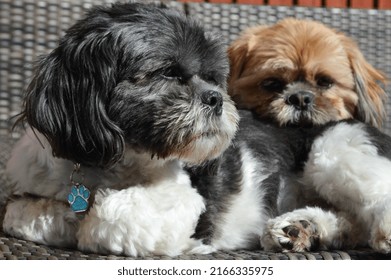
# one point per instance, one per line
(380, 140)
(282, 151)
(105, 65)
(132, 77)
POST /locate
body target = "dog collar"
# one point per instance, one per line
(79, 194)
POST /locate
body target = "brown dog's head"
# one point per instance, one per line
(301, 72)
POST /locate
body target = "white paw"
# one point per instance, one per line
(290, 235)
(381, 243)
(202, 249)
(380, 239)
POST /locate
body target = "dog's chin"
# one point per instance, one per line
(302, 121)
(293, 117)
(286, 115)
(209, 144)
(204, 147)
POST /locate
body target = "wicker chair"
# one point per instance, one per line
(29, 28)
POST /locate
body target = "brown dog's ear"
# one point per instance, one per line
(237, 53)
(368, 80)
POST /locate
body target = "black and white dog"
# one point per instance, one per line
(134, 149)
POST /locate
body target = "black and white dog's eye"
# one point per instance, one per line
(324, 82)
(172, 73)
(273, 84)
(211, 78)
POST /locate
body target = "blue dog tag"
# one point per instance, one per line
(78, 198)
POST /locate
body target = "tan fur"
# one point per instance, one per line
(302, 51)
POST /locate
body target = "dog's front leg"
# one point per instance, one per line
(142, 220)
(347, 170)
(41, 220)
(380, 236)
(310, 229)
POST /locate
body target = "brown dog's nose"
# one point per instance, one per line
(301, 100)
(214, 100)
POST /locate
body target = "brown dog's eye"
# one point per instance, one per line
(324, 82)
(273, 84)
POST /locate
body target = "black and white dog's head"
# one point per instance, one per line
(138, 76)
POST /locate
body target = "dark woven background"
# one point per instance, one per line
(29, 28)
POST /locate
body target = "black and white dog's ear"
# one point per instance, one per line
(66, 99)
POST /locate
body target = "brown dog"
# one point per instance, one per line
(301, 72)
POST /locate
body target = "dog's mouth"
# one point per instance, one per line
(204, 146)
(207, 134)
(303, 120)
(204, 135)
(304, 117)
(289, 115)
(206, 138)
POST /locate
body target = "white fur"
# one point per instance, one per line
(44, 221)
(147, 206)
(245, 219)
(239, 227)
(142, 206)
(142, 220)
(328, 227)
(345, 169)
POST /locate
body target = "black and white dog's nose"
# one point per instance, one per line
(214, 100)
(302, 100)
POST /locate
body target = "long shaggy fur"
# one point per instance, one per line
(131, 106)
(137, 95)
(272, 66)
(300, 73)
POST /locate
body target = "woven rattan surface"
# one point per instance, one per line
(29, 28)
(12, 248)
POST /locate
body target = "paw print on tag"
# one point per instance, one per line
(78, 198)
